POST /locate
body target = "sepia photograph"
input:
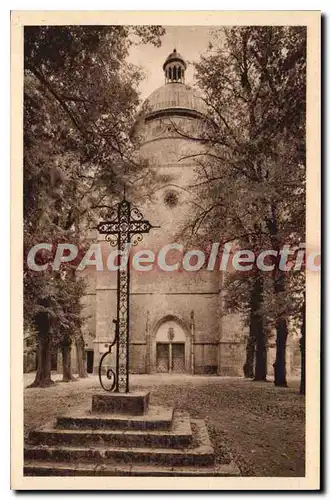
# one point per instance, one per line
(170, 258)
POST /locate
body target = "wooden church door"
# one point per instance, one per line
(178, 358)
(171, 347)
(162, 357)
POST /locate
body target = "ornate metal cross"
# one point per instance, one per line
(126, 225)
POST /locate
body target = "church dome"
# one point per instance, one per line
(175, 96)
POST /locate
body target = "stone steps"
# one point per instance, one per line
(179, 436)
(202, 454)
(40, 468)
(123, 436)
(156, 418)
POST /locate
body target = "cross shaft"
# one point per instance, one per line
(126, 222)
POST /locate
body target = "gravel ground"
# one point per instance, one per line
(261, 426)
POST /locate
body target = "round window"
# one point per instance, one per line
(171, 199)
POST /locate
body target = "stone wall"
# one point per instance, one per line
(158, 295)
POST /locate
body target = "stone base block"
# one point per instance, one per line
(157, 418)
(130, 403)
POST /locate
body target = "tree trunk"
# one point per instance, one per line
(261, 357)
(303, 350)
(279, 288)
(250, 355)
(281, 335)
(257, 329)
(260, 353)
(44, 346)
(43, 375)
(66, 360)
(280, 362)
(81, 366)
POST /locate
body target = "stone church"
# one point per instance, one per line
(177, 323)
(176, 318)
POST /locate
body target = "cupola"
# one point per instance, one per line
(174, 68)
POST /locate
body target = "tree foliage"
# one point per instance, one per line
(252, 162)
(80, 99)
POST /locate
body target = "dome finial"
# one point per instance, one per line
(174, 68)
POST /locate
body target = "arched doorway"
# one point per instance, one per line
(171, 347)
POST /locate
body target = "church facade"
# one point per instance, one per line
(177, 318)
(176, 323)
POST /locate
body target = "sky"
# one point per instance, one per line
(189, 41)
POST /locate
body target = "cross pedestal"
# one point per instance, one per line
(127, 403)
